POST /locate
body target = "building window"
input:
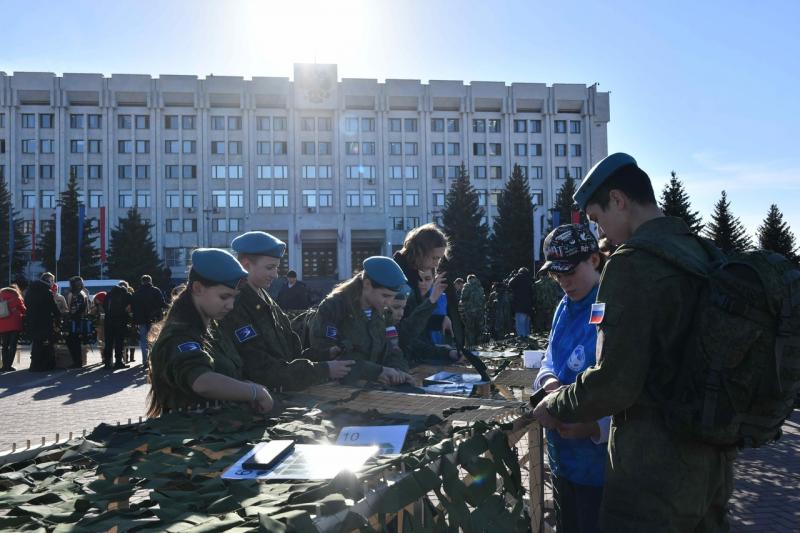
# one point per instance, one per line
(279, 124)
(123, 147)
(538, 196)
(494, 196)
(561, 172)
(574, 126)
(309, 198)
(76, 171)
(236, 198)
(217, 147)
(412, 222)
(95, 172)
(124, 122)
(395, 198)
(235, 147)
(219, 172)
(324, 123)
(189, 199)
(234, 123)
(187, 122)
(325, 171)
(142, 147)
(217, 123)
(437, 124)
(262, 123)
(95, 198)
(189, 147)
(520, 126)
(479, 149)
(561, 150)
(95, 146)
(481, 197)
(170, 122)
(173, 198)
(496, 172)
(142, 199)
(395, 172)
(411, 148)
(173, 226)
(479, 172)
(452, 172)
(46, 146)
(29, 146)
(28, 172)
(46, 121)
(263, 172)
(308, 147)
(263, 198)
(280, 171)
(367, 124)
(76, 121)
(369, 199)
(535, 126)
(560, 126)
(190, 171)
(453, 148)
(397, 223)
(79, 147)
(350, 124)
(28, 199)
(410, 125)
(360, 171)
(280, 148)
(219, 198)
(412, 198)
(453, 124)
(324, 148)
(325, 198)
(575, 150)
(495, 125)
(142, 122)
(46, 172)
(395, 125)
(309, 171)
(495, 149)
(125, 199)
(171, 172)
(352, 198)
(28, 120)
(263, 147)
(396, 148)
(479, 125)
(437, 171)
(438, 198)
(124, 172)
(170, 147)
(142, 172)
(577, 172)
(411, 172)
(281, 197)
(523, 171)
(351, 148)
(536, 150)
(368, 148)
(520, 150)
(307, 124)
(235, 172)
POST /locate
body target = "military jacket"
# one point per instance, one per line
(262, 335)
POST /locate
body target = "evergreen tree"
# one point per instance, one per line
(725, 230)
(675, 203)
(20, 239)
(565, 205)
(774, 235)
(68, 263)
(512, 241)
(132, 238)
(462, 221)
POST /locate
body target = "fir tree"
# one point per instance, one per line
(462, 221)
(512, 240)
(21, 240)
(68, 263)
(564, 205)
(725, 230)
(132, 238)
(774, 235)
(675, 203)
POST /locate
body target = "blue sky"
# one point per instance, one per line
(708, 89)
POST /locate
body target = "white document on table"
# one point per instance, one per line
(388, 439)
(307, 461)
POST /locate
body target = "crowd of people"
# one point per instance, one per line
(617, 326)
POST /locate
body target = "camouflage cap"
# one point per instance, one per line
(566, 246)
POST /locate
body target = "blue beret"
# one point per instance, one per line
(403, 293)
(384, 271)
(259, 243)
(218, 265)
(599, 173)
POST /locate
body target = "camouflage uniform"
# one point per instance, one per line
(262, 335)
(340, 322)
(472, 309)
(655, 481)
(504, 320)
(546, 296)
(181, 354)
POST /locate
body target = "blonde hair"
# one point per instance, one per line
(420, 241)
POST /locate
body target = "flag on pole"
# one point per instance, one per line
(10, 243)
(58, 233)
(102, 234)
(556, 218)
(576, 217)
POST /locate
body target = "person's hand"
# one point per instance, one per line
(339, 369)
(438, 287)
(334, 352)
(447, 325)
(551, 384)
(543, 416)
(456, 357)
(263, 402)
(388, 376)
(579, 430)
(404, 377)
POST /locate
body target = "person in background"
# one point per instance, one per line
(521, 288)
(78, 304)
(175, 292)
(458, 284)
(191, 361)
(148, 308)
(471, 308)
(40, 320)
(294, 296)
(61, 301)
(115, 325)
(12, 314)
(576, 452)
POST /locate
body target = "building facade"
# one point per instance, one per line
(340, 170)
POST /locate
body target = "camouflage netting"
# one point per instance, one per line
(164, 474)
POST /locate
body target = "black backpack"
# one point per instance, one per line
(741, 368)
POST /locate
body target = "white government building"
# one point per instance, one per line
(340, 170)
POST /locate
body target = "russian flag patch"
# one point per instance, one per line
(598, 312)
(391, 332)
(331, 332)
(245, 332)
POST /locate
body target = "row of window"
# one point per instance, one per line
(351, 124)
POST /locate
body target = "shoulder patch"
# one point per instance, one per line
(245, 333)
(331, 332)
(190, 346)
(598, 312)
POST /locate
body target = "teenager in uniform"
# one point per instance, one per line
(260, 330)
(350, 323)
(655, 480)
(190, 361)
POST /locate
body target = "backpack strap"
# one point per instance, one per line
(664, 249)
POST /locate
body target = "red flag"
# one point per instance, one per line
(102, 234)
(576, 217)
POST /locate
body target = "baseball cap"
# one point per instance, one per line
(566, 246)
